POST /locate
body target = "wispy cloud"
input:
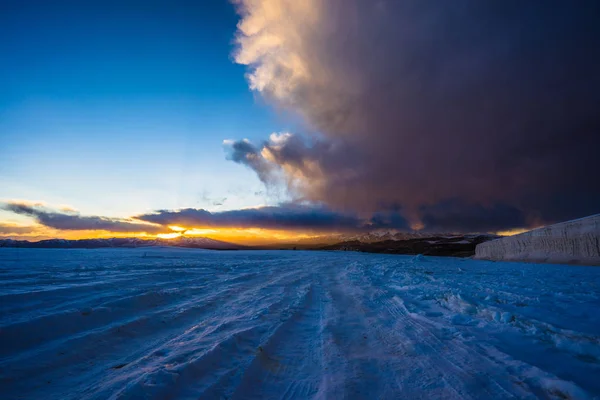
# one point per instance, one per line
(72, 220)
(10, 229)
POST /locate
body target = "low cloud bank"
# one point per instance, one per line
(291, 217)
(449, 216)
(72, 220)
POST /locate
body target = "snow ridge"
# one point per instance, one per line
(572, 242)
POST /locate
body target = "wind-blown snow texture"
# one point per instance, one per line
(572, 242)
(181, 323)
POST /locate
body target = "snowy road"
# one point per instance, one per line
(189, 324)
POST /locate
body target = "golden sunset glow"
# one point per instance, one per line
(254, 236)
(244, 236)
(195, 231)
(38, 232)
(250, 236)
(512, 232)
(172, 235)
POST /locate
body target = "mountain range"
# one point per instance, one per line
(191, 242)
(372, 242)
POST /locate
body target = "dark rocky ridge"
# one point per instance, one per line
(454, 246)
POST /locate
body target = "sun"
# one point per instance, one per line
(172, 235)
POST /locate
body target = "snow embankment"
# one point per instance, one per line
(571, 242)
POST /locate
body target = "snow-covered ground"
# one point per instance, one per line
(181, 323)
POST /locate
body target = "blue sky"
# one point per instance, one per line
(118, 109)
(412, 115)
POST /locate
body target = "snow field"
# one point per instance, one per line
(182, 323)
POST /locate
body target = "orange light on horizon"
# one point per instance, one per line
(512, 232)
(253, 236)
(243, 236)
(196, 231)
(172, 235)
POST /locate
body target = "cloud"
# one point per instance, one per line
(426, 103)
(448, 216)
(293, 217)
(72, 220)
(245, 153)
(9, 229)
(454, 215)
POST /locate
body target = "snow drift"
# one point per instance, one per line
(572, 242)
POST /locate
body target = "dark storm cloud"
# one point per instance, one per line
(454, 215)
(419, 102)
(67, 220)
(284, 217)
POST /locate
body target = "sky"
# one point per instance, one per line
(121, 107)
(278, 119)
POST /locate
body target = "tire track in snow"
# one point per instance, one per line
(289, 362)
(287, 325)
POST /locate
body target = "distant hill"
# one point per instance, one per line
(454, 245)
(190, 242)
(378, 242)
(393, 242)
(375, 236)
